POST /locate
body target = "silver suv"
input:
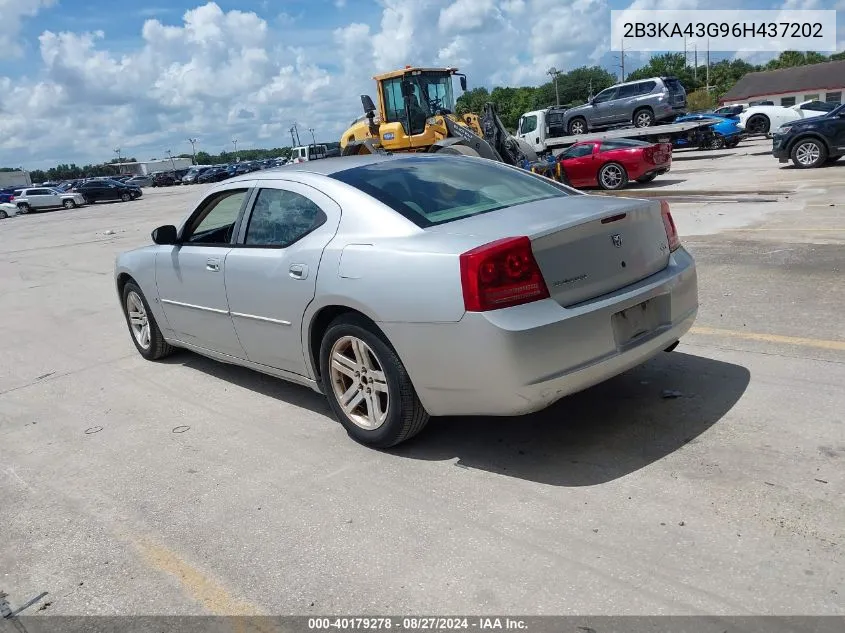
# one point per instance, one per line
(641, 103)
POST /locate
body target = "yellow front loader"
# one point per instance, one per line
(415, 112)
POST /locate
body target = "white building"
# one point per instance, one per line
(14, 179)
(145, 168)
(788, 86)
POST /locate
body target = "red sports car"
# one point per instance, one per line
(612, 164)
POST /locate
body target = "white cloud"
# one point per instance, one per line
(465, 15)
(215, 74)
(13, 12)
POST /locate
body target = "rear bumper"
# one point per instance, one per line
(520, 360)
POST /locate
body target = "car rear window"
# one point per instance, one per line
(673, 84)
(622, 143)
(436, 190)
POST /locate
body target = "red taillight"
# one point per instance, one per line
(11, 198)
(669, 225)
(501, 274)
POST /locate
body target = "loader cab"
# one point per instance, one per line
(408, 98)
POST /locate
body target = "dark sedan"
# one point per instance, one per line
(103, 190)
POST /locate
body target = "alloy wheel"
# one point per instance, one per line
(138, 321)
(611, 176)
(643, 119)
(577, 127)
(807, 154)
(359, 383)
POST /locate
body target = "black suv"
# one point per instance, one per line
(101, 190)
(811, 142)
(164, 179)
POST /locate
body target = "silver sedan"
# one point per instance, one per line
(408, 286)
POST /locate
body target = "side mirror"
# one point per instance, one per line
(368, 104)
(463, 83)
(165, 235)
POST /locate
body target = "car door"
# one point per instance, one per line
(190, 275)
(271, 274)
(579, 164)
(42, 198)
(528, 131)
(603, 107)
(621, 108)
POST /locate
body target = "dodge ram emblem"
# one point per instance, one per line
(617, 240)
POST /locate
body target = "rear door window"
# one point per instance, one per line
(631, 90)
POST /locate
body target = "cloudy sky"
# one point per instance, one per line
(80, 78)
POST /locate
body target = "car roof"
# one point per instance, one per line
(327, 166)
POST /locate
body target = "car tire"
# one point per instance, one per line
(125, 197)
(717, 142)
(3, 214)
(151, 345)
(647, 177)
(388, 412)
(758, 124)
(68, 204)
(808, 153)
(643, 117)
(24, 208)
(612, 177)
(577, 126)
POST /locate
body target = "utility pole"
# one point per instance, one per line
(117, 151)
(695, 61)
(311, 129)
(554, 72)
(235, 143)
(296, 131)
(193, 143)
(170, 156)
(622, 60)
(708, 65)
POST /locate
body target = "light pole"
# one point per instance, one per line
(554, 72)
(235, 143)
(117, 151)
(172, 164)
(193, 143)
(311, 129)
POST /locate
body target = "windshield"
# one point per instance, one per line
(435, 190)
(433, 91)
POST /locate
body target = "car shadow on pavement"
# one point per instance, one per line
(297, 395)
(596, 436)
(655, 184)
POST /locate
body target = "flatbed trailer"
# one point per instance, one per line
(666, 133)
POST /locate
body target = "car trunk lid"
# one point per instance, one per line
(586, 246)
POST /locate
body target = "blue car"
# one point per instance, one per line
(726, 132)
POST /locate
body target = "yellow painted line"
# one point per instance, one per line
(203, 589)
(771, 338)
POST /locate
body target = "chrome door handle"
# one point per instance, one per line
(213, 265)
(298, 271)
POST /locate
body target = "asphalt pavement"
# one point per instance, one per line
(709, 481)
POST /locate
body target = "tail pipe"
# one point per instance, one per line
(672, 346)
